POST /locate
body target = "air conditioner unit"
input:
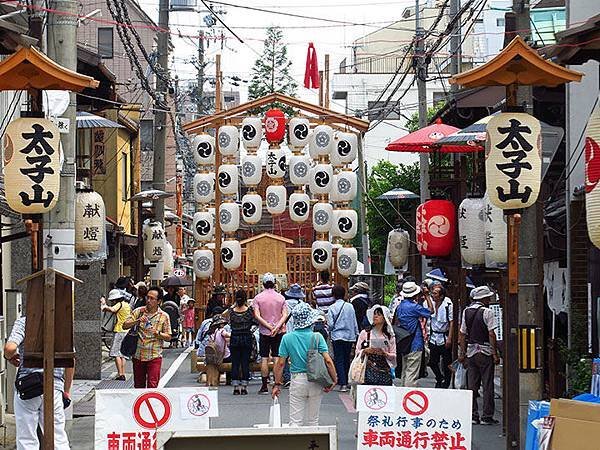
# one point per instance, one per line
(183, 5)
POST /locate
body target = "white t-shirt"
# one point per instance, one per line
(440, 322)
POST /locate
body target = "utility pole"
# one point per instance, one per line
(363, 190)
(455, 48)
(218, 237)
(200, 90)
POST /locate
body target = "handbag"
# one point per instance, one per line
(356, 374)
(109, 320)
(316, 370)
(30, 386)
(130, 342)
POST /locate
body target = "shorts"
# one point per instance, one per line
(189, 330)
(269, 345)
(115, 349)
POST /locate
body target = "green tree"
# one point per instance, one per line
(412, 124)
(271, 71)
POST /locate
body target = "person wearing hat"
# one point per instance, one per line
(344, 331)
(293, 296)
(410, 347)
(359, 297)
(271, 313)
(217, 300)
(305, 396)
(478, 349)
(121, 309)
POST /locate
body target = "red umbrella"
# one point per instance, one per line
(422, 140)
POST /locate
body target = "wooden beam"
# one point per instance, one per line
(218, 107)
(49, 309)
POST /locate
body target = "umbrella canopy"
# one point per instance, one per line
(398, 194)
(175, 281)
(422, 140)
(89, 120)
(467, 140)
(150, 194)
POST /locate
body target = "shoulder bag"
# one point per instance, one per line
(356, 374)
(404, 338)
(316, 369)
(29, 386)
(130, 342)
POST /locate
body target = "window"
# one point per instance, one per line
(147, 135)
(124, 177)
(500, 22)
(380, 111)
(105, 42)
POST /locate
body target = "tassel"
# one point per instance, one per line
(311, 73)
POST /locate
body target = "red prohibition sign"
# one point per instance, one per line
(415, 403)
(159, 416)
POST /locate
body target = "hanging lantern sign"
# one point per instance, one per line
(513, 162)
(251, 170)
(275, 166)
(251, 133)
(321, 179)
(228, 179)
(298, 132)
(345, 224)
(398, 244)
(496, 236)
(229, 140)
(204, 263)
(345, 148)
(592, 176)
(299, 206)
(203, 226)
(154, 242)
(299, 169)
(274, 126)
(251, 208)
(344, 186)
(204, 187)
(321, 141)
(436, 227)
(321, 252)
(276, 199)
(229, 217)
(322, 217)
(231, 254)
(203, 148)
(471, 231)
(89, 222)
(347, 261)
(168, 260)
(31, 165)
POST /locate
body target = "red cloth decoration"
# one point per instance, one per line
(436, 227)
(274, 126)
(311, 73)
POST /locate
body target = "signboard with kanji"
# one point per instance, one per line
(413, 418)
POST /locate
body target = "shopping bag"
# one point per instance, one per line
(316, 369)
(460, 375)
(356, 374)
(275, 414)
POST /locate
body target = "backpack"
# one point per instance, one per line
(212, 353)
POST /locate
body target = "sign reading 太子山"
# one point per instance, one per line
(413, 418)
(513, 164)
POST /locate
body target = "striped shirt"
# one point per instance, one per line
(323, 296)
(149, 346)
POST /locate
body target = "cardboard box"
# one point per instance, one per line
(577, 425)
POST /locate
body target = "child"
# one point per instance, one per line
(189, 322)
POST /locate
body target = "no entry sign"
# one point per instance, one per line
(415, 403)
(152, 410)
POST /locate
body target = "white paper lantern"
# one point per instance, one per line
(229, 140)
(204, 187)
(344, 187)
(251, 208)
(251, 170)
(231, 254)
(471, 231)
(204, 263)
(298, 132)
(90, 217)
(321, 255)
(154, 242)
(321, 141)
(347, 261)
(228, 179)
(229, 217)
(496, 236)
(299, 206)
(203, 148)
(592, 176)
(299, 169)
(203, 226)
(398, 244)
(251, 133)
(275, 163)
(345, 223)
(322, 217)
(321, 179)
(345, 147)
(168, 260)
(276, 198)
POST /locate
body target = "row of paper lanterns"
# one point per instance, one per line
(157, 249)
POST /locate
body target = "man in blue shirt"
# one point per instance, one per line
(408, 315)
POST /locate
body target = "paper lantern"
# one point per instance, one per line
(496, 236)
(321, 141)
(31, 165)
(204, 263)
(398, 244)
(204, 187)
(320, 255)
(251, 208)
(346, 261)
(299, 169)
(154, 242)
(229, 140)
(251, 170)
(275, 163)
(276, 199)
(298, 132)
(436, 227)
(274, 126)
(513, 162)
(344, 186)
(89, 222)
(228, 179)
(321, 179)
(229, 217)
(231, 254)
(168, 260)
(592, 176)
(471, 231)
(299, 206)
(203, 149)
(345, 148)
(345, 223)
(322, 217)
(251, 133)
(203, 226)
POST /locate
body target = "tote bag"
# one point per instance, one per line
(356, 374)
(130, 342)
(316, 370)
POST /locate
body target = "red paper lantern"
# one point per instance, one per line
(436, 227)
(274, 126)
